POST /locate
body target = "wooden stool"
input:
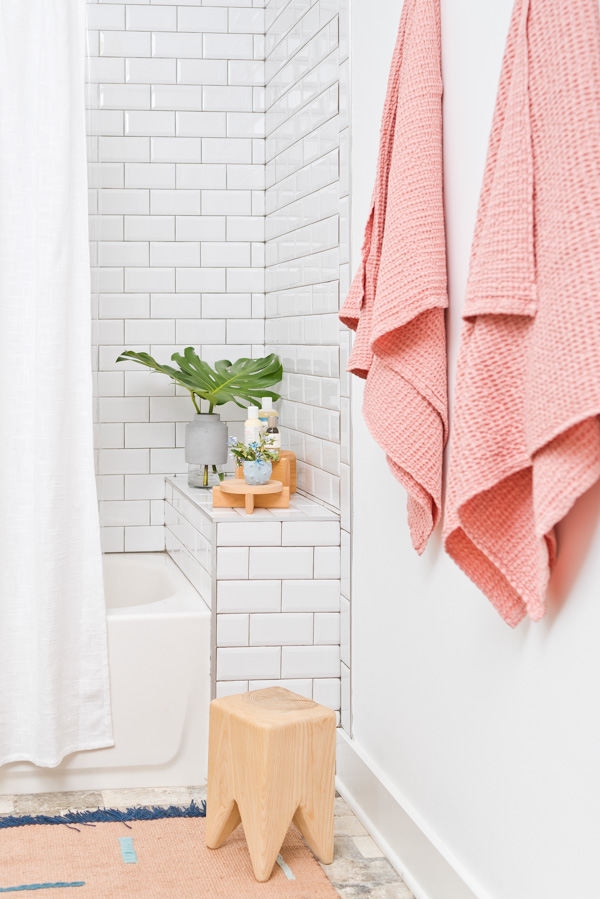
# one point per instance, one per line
(271, 760)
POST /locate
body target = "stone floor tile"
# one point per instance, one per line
(397, 890)
(361, 870)
(155, 796)
(7, 806)
(198, 794)
(343, 847)
(348, 826)
(342, 807)
(367, 847)
(43, 803)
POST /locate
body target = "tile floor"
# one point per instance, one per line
(359, 867)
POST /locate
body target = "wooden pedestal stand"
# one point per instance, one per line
(236, 493)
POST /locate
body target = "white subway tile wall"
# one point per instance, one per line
(306, 277)
(176, 151)
(306, 240)
(272, 622)
(219, 217)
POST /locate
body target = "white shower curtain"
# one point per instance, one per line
(54, 692)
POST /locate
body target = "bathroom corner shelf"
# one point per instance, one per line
(235, 493)
(301, 508)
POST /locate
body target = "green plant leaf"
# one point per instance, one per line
(246, 379)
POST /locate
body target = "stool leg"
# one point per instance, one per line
(267, 813)
(316, 826)
(315, 812)
(221, 820)
(222, 813)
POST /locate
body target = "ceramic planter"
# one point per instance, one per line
(257, 473)
(205, 449)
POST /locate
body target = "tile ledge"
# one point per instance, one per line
(302, 508)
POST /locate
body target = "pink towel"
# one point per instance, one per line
(526, 438)
(397, 299)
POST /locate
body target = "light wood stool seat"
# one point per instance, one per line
(271, 761)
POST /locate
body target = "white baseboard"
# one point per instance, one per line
(426, 869)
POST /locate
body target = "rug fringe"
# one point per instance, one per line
(144, 813)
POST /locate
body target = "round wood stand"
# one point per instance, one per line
(238, 487)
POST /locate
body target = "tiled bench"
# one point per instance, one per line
(272, 581)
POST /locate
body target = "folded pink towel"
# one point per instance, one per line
(397, 299)
(526, 438)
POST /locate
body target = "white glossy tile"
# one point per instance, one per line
(190, 175)
(228, 150)
(231, 688)
(139, 280)
(124, 43)
(144, 539)
(322, 533)
(277, 563)
(202, 71)
(175, 46)
(229, 99)
(245, 663)
(174, 202)
(249, 21)
(149, 175)
(310, 661)
(232, 563)
(200, 19)
(146, 17)
(149, 227)
(232, 630)
(202, 124)
(327, 628)
(227, 46)
(149, 123)
(249, 534)
(105, 17)
(176, 96)
(327, 562)
(123, 202)
(318, 596)
(281, 630)
(124, 96)
(248, 596)
(174, 253)
(326, 691)
(149, 71)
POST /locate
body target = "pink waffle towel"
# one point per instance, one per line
(526, 437)
(397, 299)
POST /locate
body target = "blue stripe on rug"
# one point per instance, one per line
(101, 815)
(41, 886)
(127, 851)
(285, 868)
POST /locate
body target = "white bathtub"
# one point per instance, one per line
(159, 656)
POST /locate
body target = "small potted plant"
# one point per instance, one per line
(256, 459)
(206, 434)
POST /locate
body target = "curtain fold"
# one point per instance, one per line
(54, 688)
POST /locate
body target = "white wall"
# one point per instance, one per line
(488, 736)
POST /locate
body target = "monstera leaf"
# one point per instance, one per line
(246, 379)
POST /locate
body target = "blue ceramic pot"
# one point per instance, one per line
(257, 473)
